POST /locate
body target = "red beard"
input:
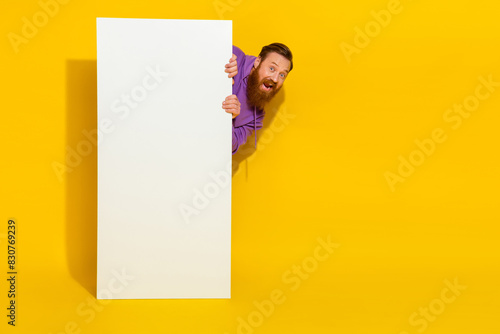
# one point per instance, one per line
(255, 95)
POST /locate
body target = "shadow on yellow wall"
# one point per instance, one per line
(81, 179)
(248, 149)
(81, 176)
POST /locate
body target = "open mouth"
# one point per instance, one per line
(267, 85)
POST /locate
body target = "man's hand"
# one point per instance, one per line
(232, 105)
(232, 67)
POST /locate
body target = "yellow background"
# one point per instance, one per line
(330, 136)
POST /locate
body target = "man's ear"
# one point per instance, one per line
(256, 62)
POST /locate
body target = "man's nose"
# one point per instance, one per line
(275, 76)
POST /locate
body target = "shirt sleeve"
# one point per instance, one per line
(240, 61)
(239, 54)
(241, 133)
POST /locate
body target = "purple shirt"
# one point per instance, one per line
(250, 118)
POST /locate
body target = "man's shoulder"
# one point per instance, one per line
(245, 62)
(238, 52)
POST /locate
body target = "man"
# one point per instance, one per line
(256, 80)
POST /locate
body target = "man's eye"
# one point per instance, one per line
(283, 76)
(271, 68)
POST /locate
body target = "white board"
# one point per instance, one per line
(164, 159)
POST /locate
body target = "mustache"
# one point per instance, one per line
(269, 82)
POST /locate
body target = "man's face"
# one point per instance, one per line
(267, 78)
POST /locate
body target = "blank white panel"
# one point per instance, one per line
(162, 137)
